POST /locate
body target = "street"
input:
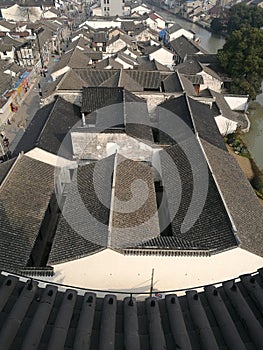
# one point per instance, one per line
(26, 111)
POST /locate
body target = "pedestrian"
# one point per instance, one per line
(8, 122)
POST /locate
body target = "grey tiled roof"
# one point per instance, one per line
(226, 316)
(184, 47)
(146, 64)
(73, 59)
(132, 220)
(199, 117)
(242, 202)
(27, 3)
(136, 119)
(49, 127)
(225, 110)
(189, 67)
(24, 198)
(145, 79)
(212, 228)
(205, 123)
(85, 222)
(94, 98)
(4, 168)
(172, 83)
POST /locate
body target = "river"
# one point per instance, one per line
(211, 43)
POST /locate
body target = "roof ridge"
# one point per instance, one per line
(11, 170)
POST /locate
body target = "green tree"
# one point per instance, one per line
(216, 26)
(242, 58)
(243, 15)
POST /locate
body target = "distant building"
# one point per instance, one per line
(112, 7)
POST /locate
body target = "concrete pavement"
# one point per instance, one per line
(26, 111)
(22, 117)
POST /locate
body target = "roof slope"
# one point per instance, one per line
(85, 222)
(184, 47)
(242, 202)
(94, 98)
(197, 116)
(49, 128)
(190, 321)
(134, 205)
(32, 132)
(212, 228)
(24, 198)
(73, 59)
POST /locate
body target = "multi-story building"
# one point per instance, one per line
(112, 7)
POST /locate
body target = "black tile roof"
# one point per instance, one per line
(74, 58)
(133, 220)
(24, 198)
(4, 168)
(147, 80)
(212, 229)
(204, 119)
(225, 110)
(27, 3)
(189, 67)
(94, 98)
(135, 122)
(86, 222)
(184, 47)
(172, 83)
(32, 132)
(49, 127)
(226, 316)
(240, 198)
(199, 117)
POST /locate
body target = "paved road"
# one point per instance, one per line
(21, 118)
(26, 111)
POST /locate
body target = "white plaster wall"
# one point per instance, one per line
(162, 56)
(97, 11)
(237, 103)
(125, 65)
(210, 82)
(225, 126)
(116, 46)
(9, 55)
(151, 23)
(4, 29)
(141, 9)
(102, 24)
(181, 32)
(59, 72)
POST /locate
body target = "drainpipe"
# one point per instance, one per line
(83, 119)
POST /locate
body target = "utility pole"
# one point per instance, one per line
(151, 290)
(39, 49)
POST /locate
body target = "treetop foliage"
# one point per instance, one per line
(242, 58)
(243, 15)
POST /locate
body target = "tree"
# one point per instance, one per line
(242, 58)
(243, 15)
(216, 26)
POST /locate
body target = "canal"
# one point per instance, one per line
(212, 43)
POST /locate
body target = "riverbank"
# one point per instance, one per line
(202, 24)
(238, 149)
